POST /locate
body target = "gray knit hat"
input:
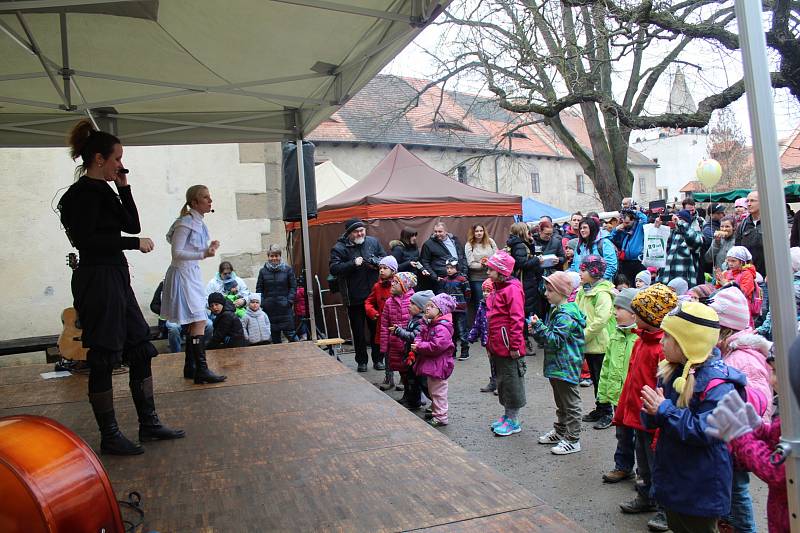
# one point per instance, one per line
(421, 298)
(624, 298)
(645, 277)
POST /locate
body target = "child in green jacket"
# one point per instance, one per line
(562, 336)
(596, 301)
(618, 354)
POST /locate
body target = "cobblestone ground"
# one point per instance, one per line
(571, 484)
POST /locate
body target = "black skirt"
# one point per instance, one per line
(112, 322)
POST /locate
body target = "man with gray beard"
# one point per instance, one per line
(354, 261)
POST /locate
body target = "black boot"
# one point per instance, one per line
(464, 351)
(112, 441)
(150, 427)
(201, 372)
(188, 361)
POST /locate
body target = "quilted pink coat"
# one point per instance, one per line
(435, 348)
(395, 313)
(747, 353)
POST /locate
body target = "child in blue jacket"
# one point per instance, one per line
(692, 472)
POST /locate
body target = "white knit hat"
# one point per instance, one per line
(795, 254)
(731, 306)
(741, 253)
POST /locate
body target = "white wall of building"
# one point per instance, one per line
(677, 158)
(34, 245)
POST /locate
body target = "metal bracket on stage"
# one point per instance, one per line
(783, 450)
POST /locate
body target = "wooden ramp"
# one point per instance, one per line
(292, 441)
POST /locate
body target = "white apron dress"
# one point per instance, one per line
(184, 300)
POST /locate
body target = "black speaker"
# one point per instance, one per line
(291, 182)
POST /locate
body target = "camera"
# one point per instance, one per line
(666, 218)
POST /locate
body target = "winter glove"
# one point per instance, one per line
(742, 410)
(412, 357)
(726, 423)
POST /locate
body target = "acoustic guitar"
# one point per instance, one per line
(69, 342)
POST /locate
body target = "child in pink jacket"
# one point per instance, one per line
(395, 314)
(506, 316)
(434, 350)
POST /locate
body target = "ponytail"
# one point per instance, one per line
(191, 195)
(85, 142)
(665, 372)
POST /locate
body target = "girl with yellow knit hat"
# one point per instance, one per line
(692, 473)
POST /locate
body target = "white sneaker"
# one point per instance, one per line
(565, 447)
(551, 437)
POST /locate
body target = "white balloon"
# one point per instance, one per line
(709, 172)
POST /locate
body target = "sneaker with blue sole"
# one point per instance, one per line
(497, 423)
(509, 427)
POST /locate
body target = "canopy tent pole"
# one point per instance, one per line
(773, 217)
(301, 175)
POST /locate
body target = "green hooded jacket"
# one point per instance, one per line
(597, 304)
(562, 335)
(615, 363)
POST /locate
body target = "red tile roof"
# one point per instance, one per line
(387, 111)
(790, 156)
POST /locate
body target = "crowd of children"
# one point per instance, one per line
(668, 365)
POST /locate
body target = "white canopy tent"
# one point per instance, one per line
(193, 71)
(331, 180)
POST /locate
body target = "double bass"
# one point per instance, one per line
(51, 481)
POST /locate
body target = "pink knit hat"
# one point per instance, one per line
(444, 302)
(487, 285)
(502, 262)
(561, 282)
(731, 306)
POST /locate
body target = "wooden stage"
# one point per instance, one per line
(292, 441)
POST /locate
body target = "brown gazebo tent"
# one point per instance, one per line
(401, 191)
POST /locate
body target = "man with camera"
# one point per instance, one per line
(354, 261)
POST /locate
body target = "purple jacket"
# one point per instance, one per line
(435, 349)
(395, 313)
(480, 328)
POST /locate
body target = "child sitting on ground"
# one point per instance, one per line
(232, 294)
(417, 384)
(562, 335)
(434, 349)
(457, 286)
(615, 362)
(480, 331)
(228, 331)
(373, 306)
(396, 313)
(256, 323)
(506, 316)
(693, 472)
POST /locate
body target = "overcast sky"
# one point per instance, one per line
(719, 66)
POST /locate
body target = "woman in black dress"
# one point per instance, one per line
(114, 330)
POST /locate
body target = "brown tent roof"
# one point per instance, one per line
(403, 178)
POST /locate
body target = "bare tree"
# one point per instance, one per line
(726, 144)
(540, 57)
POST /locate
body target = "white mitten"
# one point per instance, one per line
(726, 425)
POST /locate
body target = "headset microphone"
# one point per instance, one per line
(212, 210)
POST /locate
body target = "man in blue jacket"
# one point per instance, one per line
(629, 238)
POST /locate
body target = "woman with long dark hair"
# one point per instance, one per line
(184, 298)
(406, 252)
(114, 330)
(590, 242)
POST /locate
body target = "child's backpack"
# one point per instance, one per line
(751, 395)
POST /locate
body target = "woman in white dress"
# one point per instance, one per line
(183, 300)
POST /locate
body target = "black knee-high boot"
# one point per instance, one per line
(150, 427)
(112, 441)
(188, 361)
(201, 372)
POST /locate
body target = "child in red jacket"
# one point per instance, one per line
(650, 305)
(373, 306)
(506, 316)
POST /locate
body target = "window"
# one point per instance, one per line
(580, 185)
(462, 174)
(535, 182)
(642, 185)
(663, 193)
